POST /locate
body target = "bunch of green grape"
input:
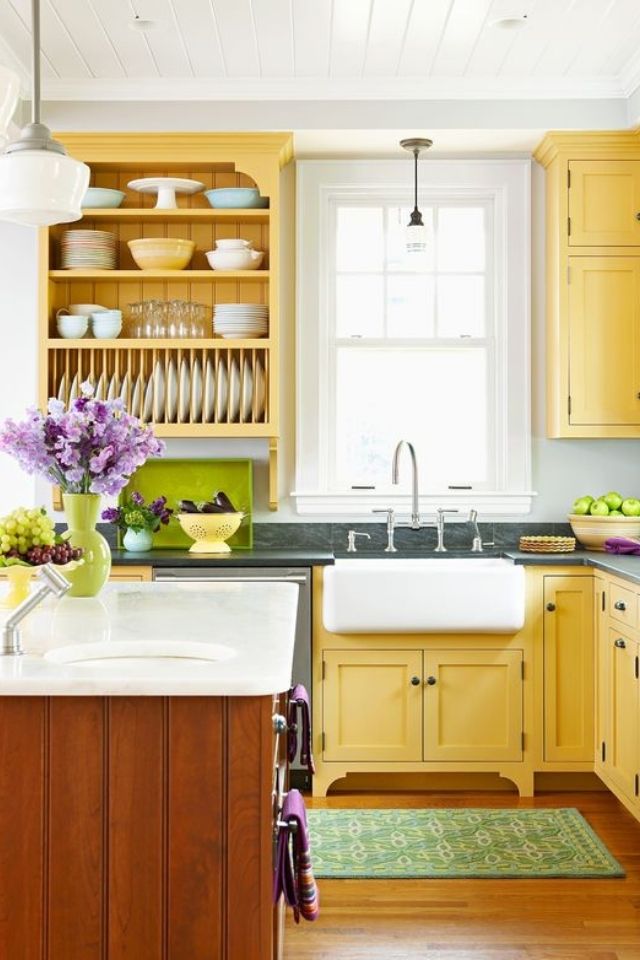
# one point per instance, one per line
(25, 529)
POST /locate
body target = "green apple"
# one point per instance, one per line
(599, 509)
(616, 513)
(613, 500)
(581, 505)
(631, 507)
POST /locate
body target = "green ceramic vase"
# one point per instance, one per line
(82, 511)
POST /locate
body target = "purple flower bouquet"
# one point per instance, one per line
(135, 514)
(92, 447)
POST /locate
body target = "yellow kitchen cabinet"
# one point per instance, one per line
(126, 573)
(473, 705)
(592, 185)
(623, 746)
(604, 203)
(604, 336)
(568, 669)
(601, 600)
(372, 705)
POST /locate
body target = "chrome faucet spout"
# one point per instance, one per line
(53, 583)
(395, 478)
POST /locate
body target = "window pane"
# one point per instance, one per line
(410, 306)
(360, 238)
(397, 256)
(435, 398)
(461, 306)
(461, 238)
(359, 306)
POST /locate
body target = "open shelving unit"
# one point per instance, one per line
(218, 160)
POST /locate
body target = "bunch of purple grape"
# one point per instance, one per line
(59, 553)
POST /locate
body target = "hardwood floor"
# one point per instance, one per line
(481, 919)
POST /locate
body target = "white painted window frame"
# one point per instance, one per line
(503, 184)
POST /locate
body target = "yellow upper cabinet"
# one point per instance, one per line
(604, 340)
(592, 283)
(604, 203)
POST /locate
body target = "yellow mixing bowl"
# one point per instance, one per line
(210, 530)
(161, 253)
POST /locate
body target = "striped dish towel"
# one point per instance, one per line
(293, 876)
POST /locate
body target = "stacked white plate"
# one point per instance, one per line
(241, 320)
(88, 250)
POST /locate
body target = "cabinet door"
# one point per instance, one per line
(473, 705)
(602, 672)
(604, 341)
(372, 705)
(624, 748)
(604, 200)
(568, 669)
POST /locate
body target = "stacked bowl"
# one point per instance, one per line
(88, 250)
(240, 320)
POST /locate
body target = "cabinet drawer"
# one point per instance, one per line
(623, 606)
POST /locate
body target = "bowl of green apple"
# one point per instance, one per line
(595, 519)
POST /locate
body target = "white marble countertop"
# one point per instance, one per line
(248, 627)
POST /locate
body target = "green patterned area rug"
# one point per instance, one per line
(457, 843)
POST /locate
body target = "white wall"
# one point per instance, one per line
(18, 351)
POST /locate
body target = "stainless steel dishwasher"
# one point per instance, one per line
(302, 653)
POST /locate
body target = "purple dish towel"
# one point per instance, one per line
(293, 877)
(622, 545)
(299, 704)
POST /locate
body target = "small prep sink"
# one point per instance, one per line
(137, 656)
(424, 596)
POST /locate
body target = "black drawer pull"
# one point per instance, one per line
(620, 643)
(620, 605)
(551, 607)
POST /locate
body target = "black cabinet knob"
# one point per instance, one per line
(431, 681)
(620, 605)
(620, 643)
(551, 607)
(415, 681)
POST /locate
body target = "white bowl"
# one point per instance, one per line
(85, 309)
(72, 327)
(106, 330)
(244, 259)
(592, 532)
(233, 244)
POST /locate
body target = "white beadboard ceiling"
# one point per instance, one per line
(328, 49)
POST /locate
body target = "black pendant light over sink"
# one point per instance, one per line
(416, 230)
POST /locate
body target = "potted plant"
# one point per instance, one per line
(90, 448)
(138, 520)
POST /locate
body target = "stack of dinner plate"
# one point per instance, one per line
(241, 320)
(88, 250)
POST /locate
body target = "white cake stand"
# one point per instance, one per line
(166, 189)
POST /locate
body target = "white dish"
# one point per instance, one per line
(112, 389)
(172, 391)
(100, 387)
(74, 392)
(185, 393)
(158, 392)
(261, 391)
(147, 409)
(124, 389)
(209, 409)
(196, 391)
(72, 327)
(221, 393)
(245, 259)
(247, 390)
(234, 390)
(62, 388)
(166, 189)
(136, 400)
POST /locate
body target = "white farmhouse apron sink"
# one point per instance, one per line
(424, 596)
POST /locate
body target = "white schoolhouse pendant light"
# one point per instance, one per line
(39, 184)
(416, 230)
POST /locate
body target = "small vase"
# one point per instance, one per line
(82, 511)
(137, 541)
